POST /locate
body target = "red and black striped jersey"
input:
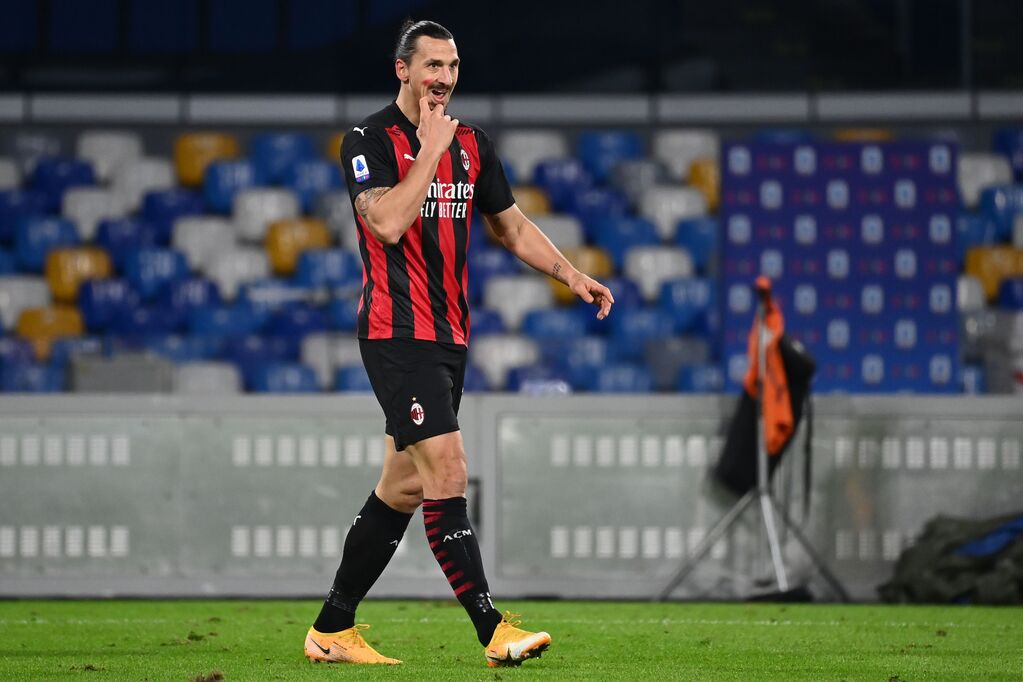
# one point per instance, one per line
(418, 288)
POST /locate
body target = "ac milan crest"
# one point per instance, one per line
(417, 414)
(465, 160)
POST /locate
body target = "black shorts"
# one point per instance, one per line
(417, 383)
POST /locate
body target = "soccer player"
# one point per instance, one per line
(414, 174)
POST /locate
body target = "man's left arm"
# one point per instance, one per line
(522, 237)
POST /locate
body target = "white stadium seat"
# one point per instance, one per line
(207, 378)
(525, 148)
(237, 266)
(564, 231)
(202, 239)
(665, 205)
(135, 177)
(513, 296)
(632, 176)
(10, 174)
(678, 148)
(651, 266)
(87, 206)
(254, 209)
(28, 147)
(970, 294)
(325, 352)
(979, 170)
(18, 292)
(107, 150)
(335, 209)
(496, 354)
(1017, 231)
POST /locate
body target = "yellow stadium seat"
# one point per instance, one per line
(194, 151)
(992, 264)
(67, 269)
(334, 147)
(591, 260)
(40, 326)
(531, 200)
(864, 135)
(705, 176)
(287, 239)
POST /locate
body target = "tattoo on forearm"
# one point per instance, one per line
(367, 198)
(556, 270)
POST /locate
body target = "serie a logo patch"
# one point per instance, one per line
(360, 168)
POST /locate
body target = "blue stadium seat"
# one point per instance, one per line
(1001, 204)
(343, 313)
(688, 301)
(101, 300)
(237, 320)
(556, 323)
(292, 377)
(594, 205)
(486, 262)
(486, 321)
(625, 291)
(617, 235)
(475, 380)
(352, 379)
(15, 350)
(161, 208)
(186, 295)
(150, 271)
(622, 378)
(268, 295)
(973, 230)
(1009, 141)
(509, 172)
(580, 358)
(35, 236)
(52, 175)
(701, 378)
(561, 179)
(183, 347)
(275, 153)
(8, 263)
(631, 329)
(298, 320)
(31, 378)
(520, 378)
(699, 236)
(15, 205)
(65, 348)
(328, 268)
(601, 150)
(123, 236)
(309, 178)
(1010, 294)
(223, 179)
(973, 379)
(142, 321)
(253, 350)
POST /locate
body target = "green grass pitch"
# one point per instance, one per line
(262, 640)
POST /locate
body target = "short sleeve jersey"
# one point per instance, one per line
(418, 288)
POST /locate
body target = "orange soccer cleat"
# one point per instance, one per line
(346, 646)
(510, 645)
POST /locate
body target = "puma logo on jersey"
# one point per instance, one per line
(361, 131)
(458, 535)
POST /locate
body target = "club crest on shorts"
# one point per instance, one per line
(465, 160)
(417, 413)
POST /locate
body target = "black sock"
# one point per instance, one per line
(370, 544)
(454, 545)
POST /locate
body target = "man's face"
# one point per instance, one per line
(433, 71)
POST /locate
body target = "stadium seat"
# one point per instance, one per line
(207, 378)
(202, 239)
(100, 301)
(35, 236)
(325, 352)
(66, 348)
(665, 356)
(224, 320)
(162, 208)
(31, 378)
(335, 210)
(970, 296)
(126, 372)
(333, 268)
(625, 291)
(618, 235)
(705, 176)
(150, 271)
(633, 176)
(591, 260)
(40, 326)
(16, 205)
(287, 239)
(601, 150)
(678, 148)
(515, 295)
(275, 153)
(973, 230)
(622, 378)
(864, 135)
(688, 301)
(978, 171)
(973, 379)
(182, 347)
(564, 231)
(254, 350)
(1010, 293)
(1001, 203)
(106, 150)
(665, 206)
(136, 177)
(496, 354)
(224, 179)
(352, 379)
(594, 205)
(579, 358)
(144, 320)
(1017, 231)
(524, 149)
(699, 237)
(333, 150)
(343, 312)
(651, 266)
(87, 206)
(295, 322)
(700, 378)
(67, 268)
(270, 295)
(10, 174)
(193, 152)
(537, 380)
(291, 377)
(561, 179)
(485, 262)
(555, 324)
(632, 329)
(531, 200)
(1009, 143)
(483, 321)
(257, 208)
(55, 175)
(123, 236)
(8, 264)
(15, 351)
(309, 178)
(18, 293)
(28, 147)
(992, 264)
(186, 295)
(233, 268)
